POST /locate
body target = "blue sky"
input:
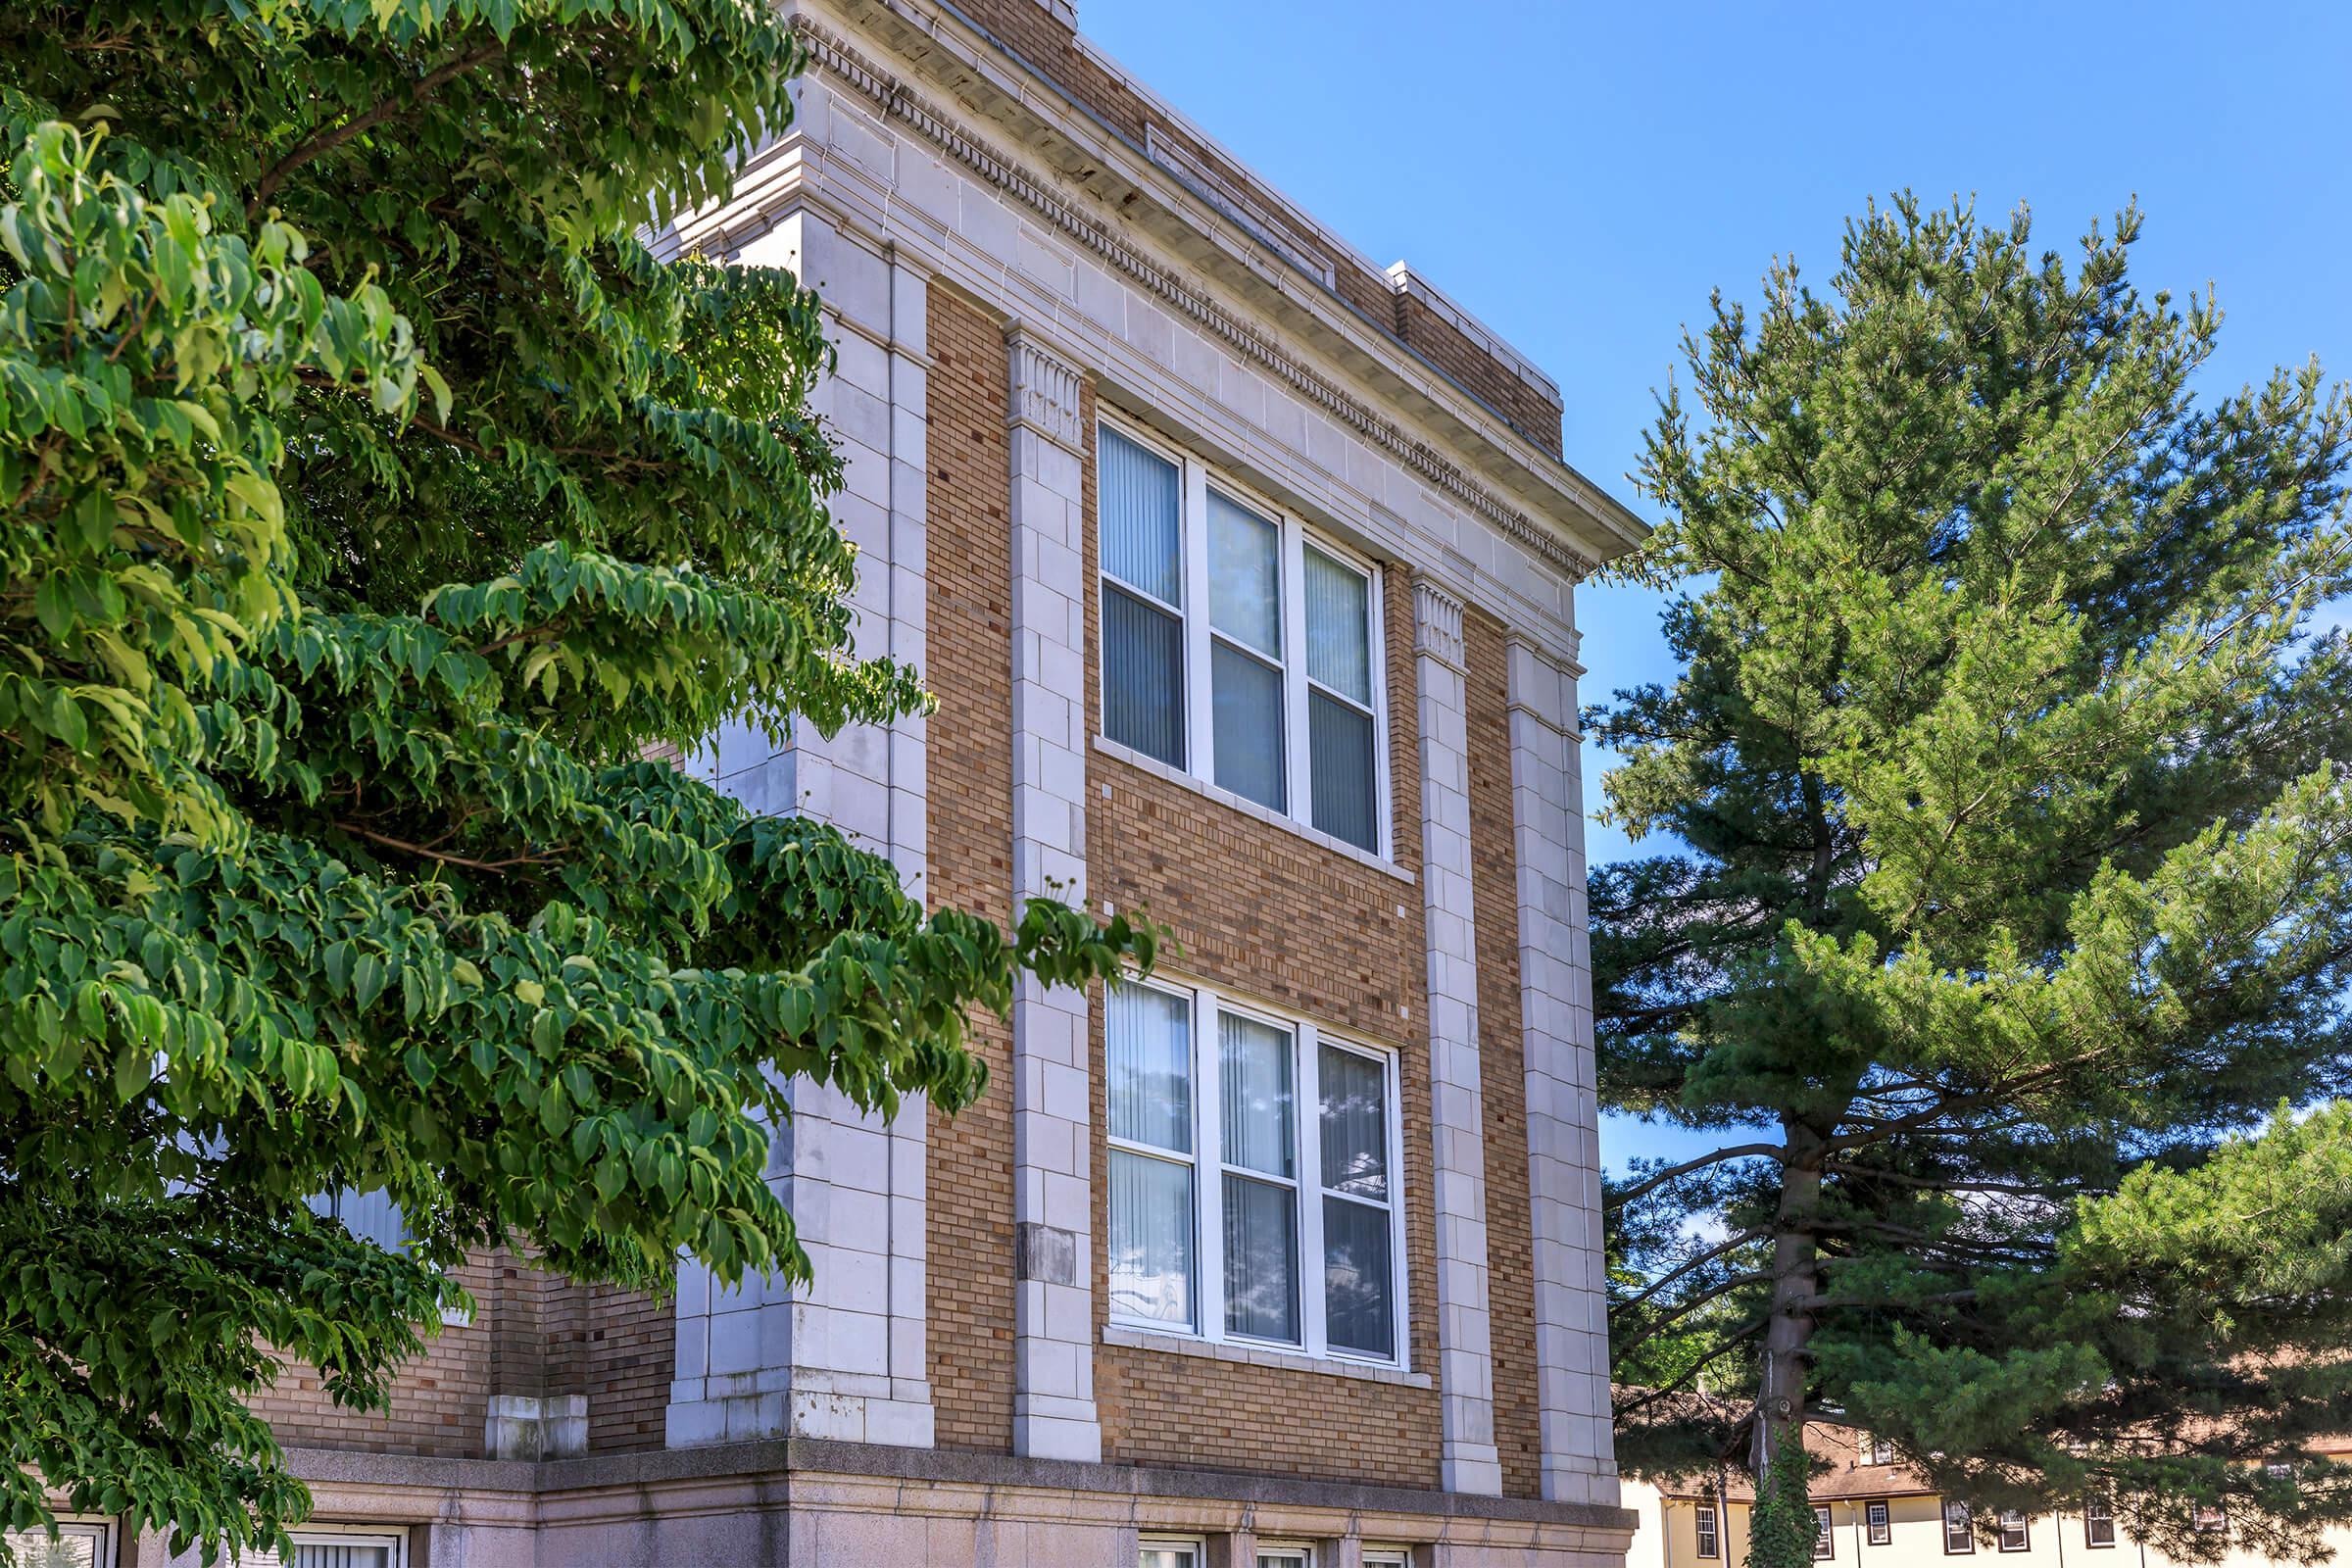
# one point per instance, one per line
(1582, 175)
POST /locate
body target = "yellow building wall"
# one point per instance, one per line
(1668, 1538)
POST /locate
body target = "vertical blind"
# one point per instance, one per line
(1339, 713)
(1358, 1270)
(1256, 1070)
(1244, 611)
(1149, 1051)
(1139, 503)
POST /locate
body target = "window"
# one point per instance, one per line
(348, 1548)
(2098, 1522)
(369, 1216)
(2015, 1535)
(1879, 1521)
(2208, 1518)
(1170, 1554)
(2280, 1472)
(1880, 1452)
(1387, 1557)
(1286, 1557)
(1710, 1537)
(1825, 1540)
(79, 1545)
(1253, 1177)
(1238, 646)
(1959, 1531)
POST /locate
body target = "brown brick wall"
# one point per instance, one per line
(629, 1360)
(1529, 407)
(970, 768)
(1502, 1061)
(439, 1402)
(1272, 915)
(1030, 31)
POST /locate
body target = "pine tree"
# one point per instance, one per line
(2012, 900)
(377, 507)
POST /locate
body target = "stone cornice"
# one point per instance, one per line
(894, 99)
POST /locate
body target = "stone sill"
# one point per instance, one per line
(1256, 1355)
(1249, 808)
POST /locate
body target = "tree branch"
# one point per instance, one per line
(1650, 1183)
(326, 141)
(432, 854)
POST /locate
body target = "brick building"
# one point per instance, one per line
(1243, 568)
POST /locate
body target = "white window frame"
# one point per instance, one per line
(1706, 1531)
(2023, 1525)
(1287, 1553)
(100, 1533)
(1966, 1521)
(1825, 1533)
(1387, 1557)
(1208, 1196)
(2098, 1511)
(1877, 1523)
(1197, 1545)
(356, 1536)
(1196, 478)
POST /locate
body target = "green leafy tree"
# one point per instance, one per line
(378, 506)
(2014, 882)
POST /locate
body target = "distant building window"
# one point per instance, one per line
(1710, 1534)
(1959, 1531)
(2098, 1522)
(1238, 645)
(1880, 1522)
(2209, 1518)
(2279, 1470)
(1824, 1540)
(1285, 1557)
(1880, 1452)
(2015, 1535)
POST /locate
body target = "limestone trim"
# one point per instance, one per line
(1053, 1412)
(1231, 1350)
(895, 99)
(1578, 1458)
(1438, 626)
(1469, 1458)
(780, 1473)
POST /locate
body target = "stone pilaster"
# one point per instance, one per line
(1556, 981)
(848, 1359)
(1465, 1353)
(1053, 1413)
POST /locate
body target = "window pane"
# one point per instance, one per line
(1148, 1039)
(1142, 676)
(34, 1549)
(1339, 744)
(1254, 1067)
(1138, 501)
(1338, 626)
(1151, 1238)
(1245, 576)
(1357, 1276)
(1247, 719)
(341, 1556)
(1355, 1089)
(1168, 1557)
(1261, 1259)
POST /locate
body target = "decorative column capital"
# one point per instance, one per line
(1437, 625)
(1046, 388)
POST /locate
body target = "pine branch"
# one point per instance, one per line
(1650, 1183)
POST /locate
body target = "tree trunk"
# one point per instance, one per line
(1779, 1416)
